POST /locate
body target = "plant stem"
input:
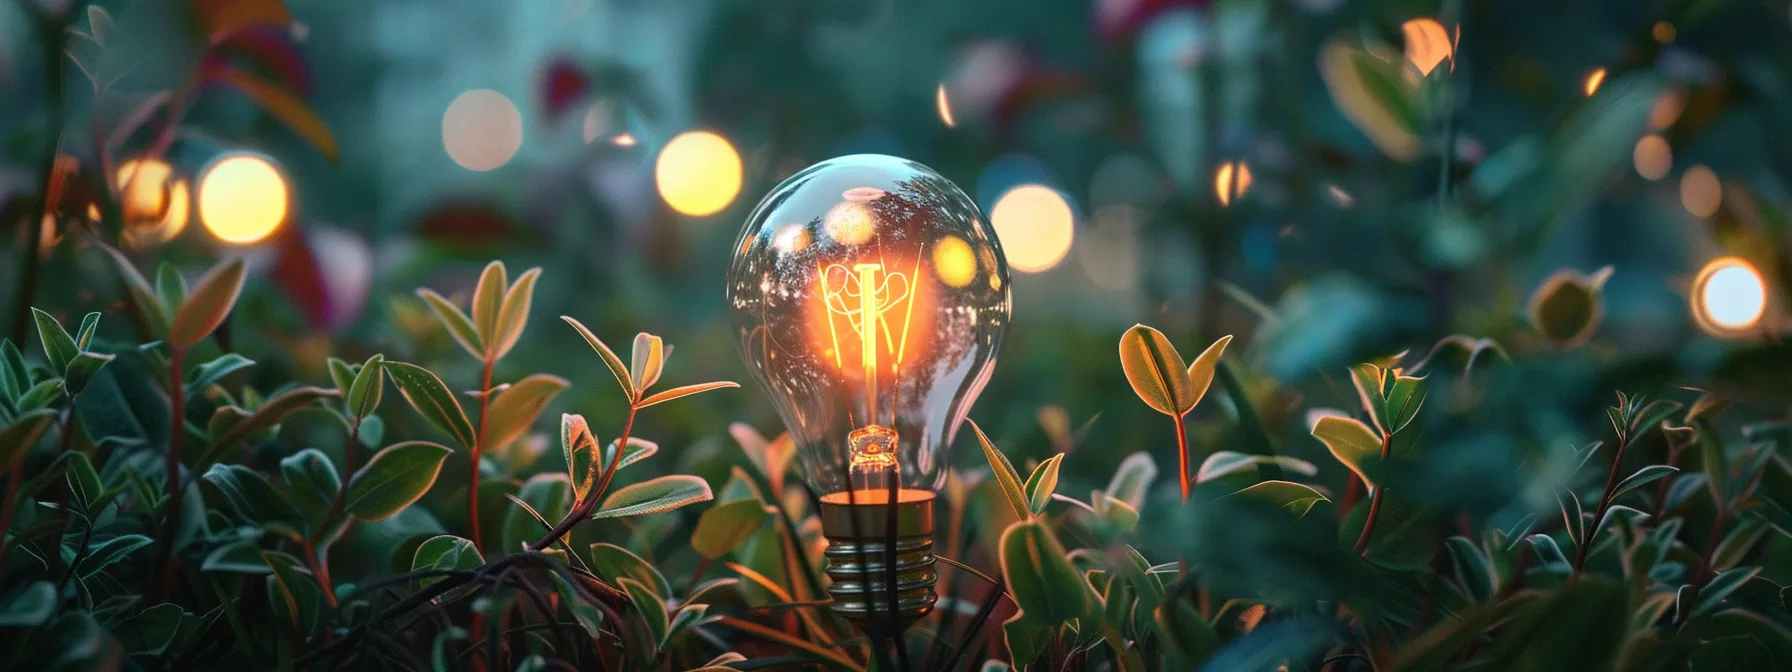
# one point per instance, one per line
(1362, 540)
(322, 568)
(177, 430)
(12, 493)
(485, 405)
(55, 42)
(1182, 455)
(1605, 500)
(584, 508)
(321, 571)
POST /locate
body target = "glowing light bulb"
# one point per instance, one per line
(242, 198)
(1729, 296)
(869, 296)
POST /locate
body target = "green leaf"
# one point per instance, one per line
(659, 495)
(549, 497)
(610, 359)
(1157, 372)
(13, 376)
(19, 437)
(615, 563)
(517, 407)
(1041, 483)
(111, 551)
(579, 447)
(1352, 442)
(649, 606)
(393, 479)
(41, 395)
(1026, 637)
(445, 552)
(1006, 477)
(514, 314)
(488, 298)
(84, 484)
(1370, 88)
(1294, 497)
(152, 630)
(59, 347)
(242, 557)
(589, 617)
(1189, 638)
(312, 482)
(686, 617)
(211, 372)
(82, 369)
(252, 496)
(84, 336)
(1226, 463)
(433, 401)
(725, 526)
(366, 388)
(149, 304)
(241, 424)
(1133, 479)
(203, 310)
(291, 593)
(1404, 398)
(1473, 569)
(457, 323)
(1642, 477)
(1406, 535)
(1040, 577)
(648, 360)
(1714, 592)
(170, 286)
(342, 375)
(1433, 648)
(1580, 627)
(1566, 308)
(30, 606)
(685, 391)
(1115, 516)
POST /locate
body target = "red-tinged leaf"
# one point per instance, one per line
(296, 272)
(562, 85)
(271, 49)
(283, 104)
(219, 18)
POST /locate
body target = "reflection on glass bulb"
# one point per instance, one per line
(868, 296)
(856, 302)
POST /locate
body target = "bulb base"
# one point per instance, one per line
(878, 551)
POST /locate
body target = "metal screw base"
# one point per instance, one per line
(870, 542)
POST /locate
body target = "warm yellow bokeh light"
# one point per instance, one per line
(698, 173)
(143, 189)
(1231, 181)
(1653, 157)
(954, 262)
(1594, 79)
(482, 130)
(1700, 191)
(1729, 296)
(849, 223)
(242, 198)
(1035, 226)
(945, 106)
(1427, 44)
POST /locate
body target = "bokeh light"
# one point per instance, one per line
(155, 205)
(1110, 253)
(1653, 157)
(242, 198)
(1667, 109)
(1427, 44)
(698, 173)
(1662, 31)
(1700, 191)
(954, 262)
(1231, 181)
(1035, 225)
(1729, 296)
(1594, 79)
(482, 130)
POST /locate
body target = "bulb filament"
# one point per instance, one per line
(861, 296)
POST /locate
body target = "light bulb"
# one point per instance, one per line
(868, 296)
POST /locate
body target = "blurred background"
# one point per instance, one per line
(1330, 180)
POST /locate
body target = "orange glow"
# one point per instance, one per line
(1729, 296)
(1653, 157)
(1427, 44)
(945, 106)
(1594, 79)
(862, 295)
(1663, 32)
(1232, 180)
(242, 198)
(1667, 109)
(954, 262)
(1701, 192)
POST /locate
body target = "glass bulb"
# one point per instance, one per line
(868, 296)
